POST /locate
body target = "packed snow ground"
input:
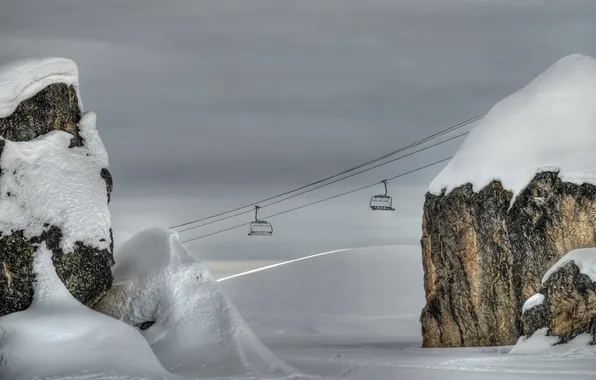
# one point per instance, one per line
(346, 314)
(547, 125)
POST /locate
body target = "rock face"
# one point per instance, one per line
(54, 107)
(569, 306)
(482, 258)
(83, 267)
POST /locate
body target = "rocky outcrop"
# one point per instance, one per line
(569, 306)
(54, 107)
(85, 267)
(482, 258)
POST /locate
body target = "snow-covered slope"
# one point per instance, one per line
(58, 336)
(548, 125)
(196, 331)
(23, 79)
(367, 294)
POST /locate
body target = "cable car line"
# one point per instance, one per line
(329, 183)
(323, 200)
(412, 145)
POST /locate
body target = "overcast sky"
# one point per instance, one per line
(204, 106)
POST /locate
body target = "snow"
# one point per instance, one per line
(58, 336)
(536, 300)
(21, 80)
(45, 181)
(546, 126)
(583, 258)
(197, 331)
(348, 314)
(355, 314)
(540, 343)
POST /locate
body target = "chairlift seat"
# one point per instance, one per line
(381, 203)
(260, 228)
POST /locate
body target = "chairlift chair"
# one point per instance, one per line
(382, 202)
(260, 227)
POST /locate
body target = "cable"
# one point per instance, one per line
(412, 145)
(327, 184)
(322, 200)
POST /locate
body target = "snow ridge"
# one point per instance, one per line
(549, 125)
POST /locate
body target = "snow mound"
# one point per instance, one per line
(196, 331)
(549, 125)
(58, 336)
(536, 300)
(21, 80)
(45, 181)
(583, 258)
(540, 343)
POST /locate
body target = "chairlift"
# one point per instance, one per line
(382, 202)
(260, 227)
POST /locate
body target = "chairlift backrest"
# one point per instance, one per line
(260, 227)
(382, 202)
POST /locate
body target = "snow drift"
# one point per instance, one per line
(549, 125)
(194, 330)
(43, 340)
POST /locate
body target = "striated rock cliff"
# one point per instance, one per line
(54, 184)
(518, 195)
(482, 260)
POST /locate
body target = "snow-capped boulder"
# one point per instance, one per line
(568, 307)
(54, 183)
(193, 328)
(519, 194)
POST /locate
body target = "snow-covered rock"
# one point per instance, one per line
(566, 305)
(518, 195)
(546, 126)
(54, 181)
(192, 327)
(583, 258)
(58, 336)
(536, 300)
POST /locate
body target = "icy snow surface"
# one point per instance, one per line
(45, 181)
(535, 300)
(21, 80)
(58, 336)
(583, 258)
(197, 331)
(549, 125)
